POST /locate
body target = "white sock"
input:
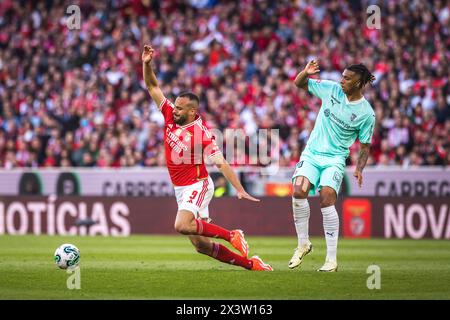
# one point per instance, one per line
(301, 211)
(331, 230)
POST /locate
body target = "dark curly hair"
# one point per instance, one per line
(365, 74)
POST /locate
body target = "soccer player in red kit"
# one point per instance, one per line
(187, 141)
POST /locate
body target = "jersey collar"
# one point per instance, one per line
(354, 102)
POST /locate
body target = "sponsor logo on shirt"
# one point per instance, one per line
(341, 123)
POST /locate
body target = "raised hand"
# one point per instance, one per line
(147, 54)
(312, 68)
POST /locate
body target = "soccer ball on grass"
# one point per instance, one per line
(67, 256)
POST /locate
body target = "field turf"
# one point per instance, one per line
(167, 267)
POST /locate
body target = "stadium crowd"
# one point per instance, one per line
(75, 97)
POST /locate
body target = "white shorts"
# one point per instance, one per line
(196, 197)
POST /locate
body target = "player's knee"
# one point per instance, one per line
(298, 193)
(327, 199)
(181, 227)
(300, 188)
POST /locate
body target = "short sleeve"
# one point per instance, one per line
(321, 88)
(366, 130)
(166, 107)
(209, 145)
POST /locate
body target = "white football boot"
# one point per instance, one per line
(299, 254)
(329, 266)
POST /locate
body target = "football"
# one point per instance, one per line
(67, 256)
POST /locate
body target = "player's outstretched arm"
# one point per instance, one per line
(301, 80)
(362, 160)
(149, 75)
(229, 174)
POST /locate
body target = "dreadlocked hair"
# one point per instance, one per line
(366, 76)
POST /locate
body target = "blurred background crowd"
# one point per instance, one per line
(75, 97)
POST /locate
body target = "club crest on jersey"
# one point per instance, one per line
(327, 112)
(187, 136)
(337, 177)
(353, 117)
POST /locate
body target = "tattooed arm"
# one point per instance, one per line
(362, 160)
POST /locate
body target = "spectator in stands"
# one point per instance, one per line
(75, 97)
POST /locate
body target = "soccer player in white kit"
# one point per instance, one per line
(344, 116)
(187, 141)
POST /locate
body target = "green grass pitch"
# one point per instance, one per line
(167, 267)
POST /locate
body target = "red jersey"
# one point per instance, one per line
(185, 146)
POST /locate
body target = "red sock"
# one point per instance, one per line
(222, 253)
(212, 231)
